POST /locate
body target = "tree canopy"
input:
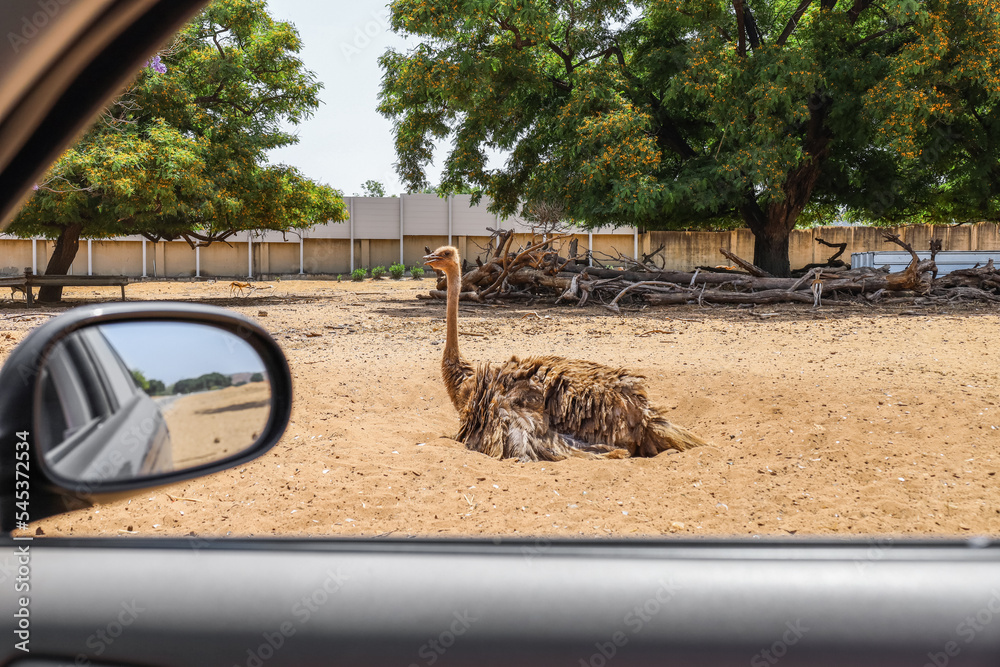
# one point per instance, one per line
(182, 153)
(372, 188)
(674, 114)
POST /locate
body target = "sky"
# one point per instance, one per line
(346, 142)
(171, 351)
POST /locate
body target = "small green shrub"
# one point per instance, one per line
(339, 277)
(357, 275)
(396, 271)
(378, 272)
(417, 272)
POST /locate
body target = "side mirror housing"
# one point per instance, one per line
(108, 399)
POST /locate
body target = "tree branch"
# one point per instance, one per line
(841, 246)
(215, 40)
(753, 33)
(610, 51)
(793, 22)
(566, 58)
(854, 13)
(519, 42)
(881, 33)
(741, 45)
(560, 83)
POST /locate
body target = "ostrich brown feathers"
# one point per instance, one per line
(548, 408)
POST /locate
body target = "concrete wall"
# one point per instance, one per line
(115, 258)
(383, 252)
(178, 259)
(607, 248)
(223, 260)
(380, 216)
(685, 250)
(471, 221)
(426, 219)
(322, 256)
(284, 257)
(425, 215)
(15, 255)
(413, 248)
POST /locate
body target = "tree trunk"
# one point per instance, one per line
(62, 258)
(770, 252)
(770, 234)
(773, 226)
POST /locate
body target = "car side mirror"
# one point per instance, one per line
(112, 398)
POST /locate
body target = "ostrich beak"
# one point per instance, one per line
(431, 258)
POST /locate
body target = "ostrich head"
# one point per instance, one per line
(443, 259)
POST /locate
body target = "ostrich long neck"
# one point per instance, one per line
(451, 354)
(453, 368)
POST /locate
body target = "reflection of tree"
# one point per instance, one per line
(204, 382)
(152, 387)
(140, 380)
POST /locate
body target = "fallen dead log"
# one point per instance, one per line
(752, 269)
(537, 278)
(765, 297)
(980, 277)
(538, 271)
(746, 288)
(955, 293)
(912, 277)
(710, 278)
(441, 294)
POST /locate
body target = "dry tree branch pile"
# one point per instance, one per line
(538, 271)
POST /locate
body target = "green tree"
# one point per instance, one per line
(182, 153)
(442, 192)
(940, 112)
(156, 388)
(140, 380)
(204, 382)
(152, 387)
(371, 188)
(677, 114)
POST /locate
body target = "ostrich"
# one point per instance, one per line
(548, 408)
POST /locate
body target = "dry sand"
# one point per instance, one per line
(213, 425)
(849, 419)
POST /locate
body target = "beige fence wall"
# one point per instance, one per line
(110, 258)
(380, 232)
(427, 221)
(327, 256)
(15, 254)
(685, 250)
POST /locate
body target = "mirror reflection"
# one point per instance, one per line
(132, 399)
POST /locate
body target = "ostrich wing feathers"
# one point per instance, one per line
(549, 408)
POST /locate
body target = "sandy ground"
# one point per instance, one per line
(849, 419)
(213, 425)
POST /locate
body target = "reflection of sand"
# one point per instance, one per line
(212, 425)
